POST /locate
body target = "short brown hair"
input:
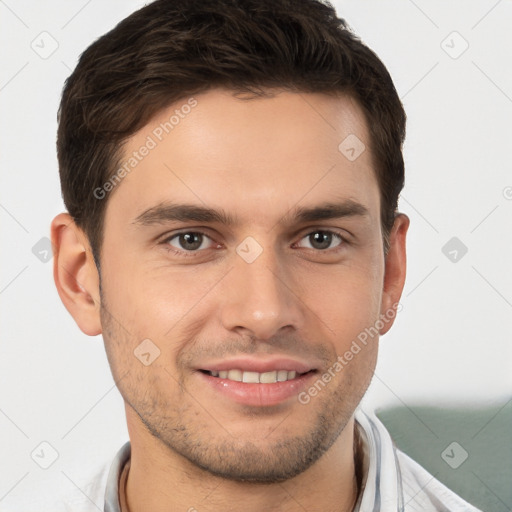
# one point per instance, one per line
(171, 49)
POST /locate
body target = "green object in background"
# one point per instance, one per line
(468, 449)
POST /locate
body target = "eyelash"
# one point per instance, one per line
(190, 254)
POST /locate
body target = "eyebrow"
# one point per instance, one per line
(168, 212)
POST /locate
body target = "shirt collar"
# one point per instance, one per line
(112, 490)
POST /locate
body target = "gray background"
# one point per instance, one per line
(450, 345)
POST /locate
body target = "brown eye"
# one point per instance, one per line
(322, 240)
(188, 241)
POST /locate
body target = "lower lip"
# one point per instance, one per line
(259, 395)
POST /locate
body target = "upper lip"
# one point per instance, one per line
(258, 365)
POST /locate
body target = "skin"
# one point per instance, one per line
(258, 160)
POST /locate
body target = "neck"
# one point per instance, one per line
(160, 480)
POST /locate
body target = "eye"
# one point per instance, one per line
(189, 241)
(322, 240)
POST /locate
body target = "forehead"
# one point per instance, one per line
(258, 157)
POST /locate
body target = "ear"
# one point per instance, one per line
(395, 269)
(75, 274)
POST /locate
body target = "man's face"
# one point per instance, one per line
(272, 296)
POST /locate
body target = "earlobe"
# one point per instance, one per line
(75, 274)
(395, 270)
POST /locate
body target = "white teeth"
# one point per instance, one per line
(252, 377)
(255, 377)
(235, 375)
(268, 377)
(282, 375)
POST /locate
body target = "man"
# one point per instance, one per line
(231, 171)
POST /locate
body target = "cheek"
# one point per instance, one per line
(170, 300)
(347, 300)
(151, 296)
(168, 306)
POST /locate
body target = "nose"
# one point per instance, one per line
(259, 298)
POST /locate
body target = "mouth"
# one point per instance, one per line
(258, 383)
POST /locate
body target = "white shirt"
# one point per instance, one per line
(393, 482)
